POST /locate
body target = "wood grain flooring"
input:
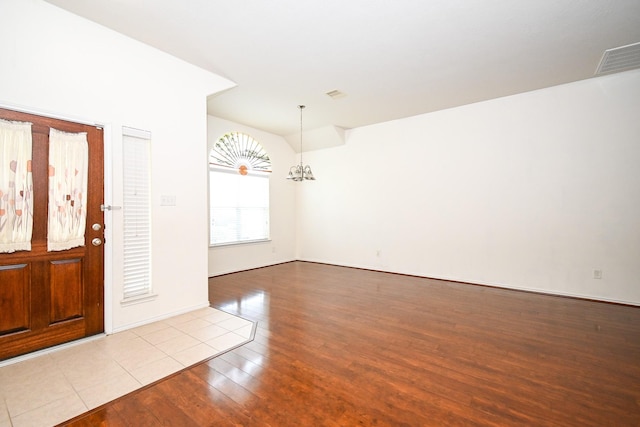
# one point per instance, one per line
(338, 346)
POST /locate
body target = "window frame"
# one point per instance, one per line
(243, 157)
(139, 263)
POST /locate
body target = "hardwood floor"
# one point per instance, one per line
(344, 347)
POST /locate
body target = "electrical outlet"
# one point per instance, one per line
(597, 274)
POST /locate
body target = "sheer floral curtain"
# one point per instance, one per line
(68, 170)
(16, 186)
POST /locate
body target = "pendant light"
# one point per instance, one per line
(300, 172)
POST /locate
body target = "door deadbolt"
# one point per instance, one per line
(96, 227)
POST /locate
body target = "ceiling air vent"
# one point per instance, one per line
(619, 59)
(335, 94)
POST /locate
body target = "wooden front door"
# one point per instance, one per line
(49, 298)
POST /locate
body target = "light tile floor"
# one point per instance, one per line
(56, 386)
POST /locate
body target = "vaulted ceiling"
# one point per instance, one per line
(386, 59)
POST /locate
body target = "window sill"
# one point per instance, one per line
(244, 242)
(138, 299)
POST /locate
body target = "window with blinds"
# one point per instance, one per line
(239, 169)
(136, 214)
(239, 207)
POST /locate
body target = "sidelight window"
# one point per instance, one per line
(137, 214)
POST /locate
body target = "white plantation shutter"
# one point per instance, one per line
(137, 213)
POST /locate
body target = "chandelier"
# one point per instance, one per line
(300, 172)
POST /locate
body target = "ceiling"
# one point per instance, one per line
(388, 59)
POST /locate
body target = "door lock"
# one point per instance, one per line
(96, 242)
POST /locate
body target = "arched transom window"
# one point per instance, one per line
(241, 152)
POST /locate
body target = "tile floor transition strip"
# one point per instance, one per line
(56, 386)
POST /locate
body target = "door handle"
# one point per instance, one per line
(96, 242)
(104, 208)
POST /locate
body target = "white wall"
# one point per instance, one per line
(282, 246)
(532, 191)
(56, 63)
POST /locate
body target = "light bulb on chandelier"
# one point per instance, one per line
(300, 172)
